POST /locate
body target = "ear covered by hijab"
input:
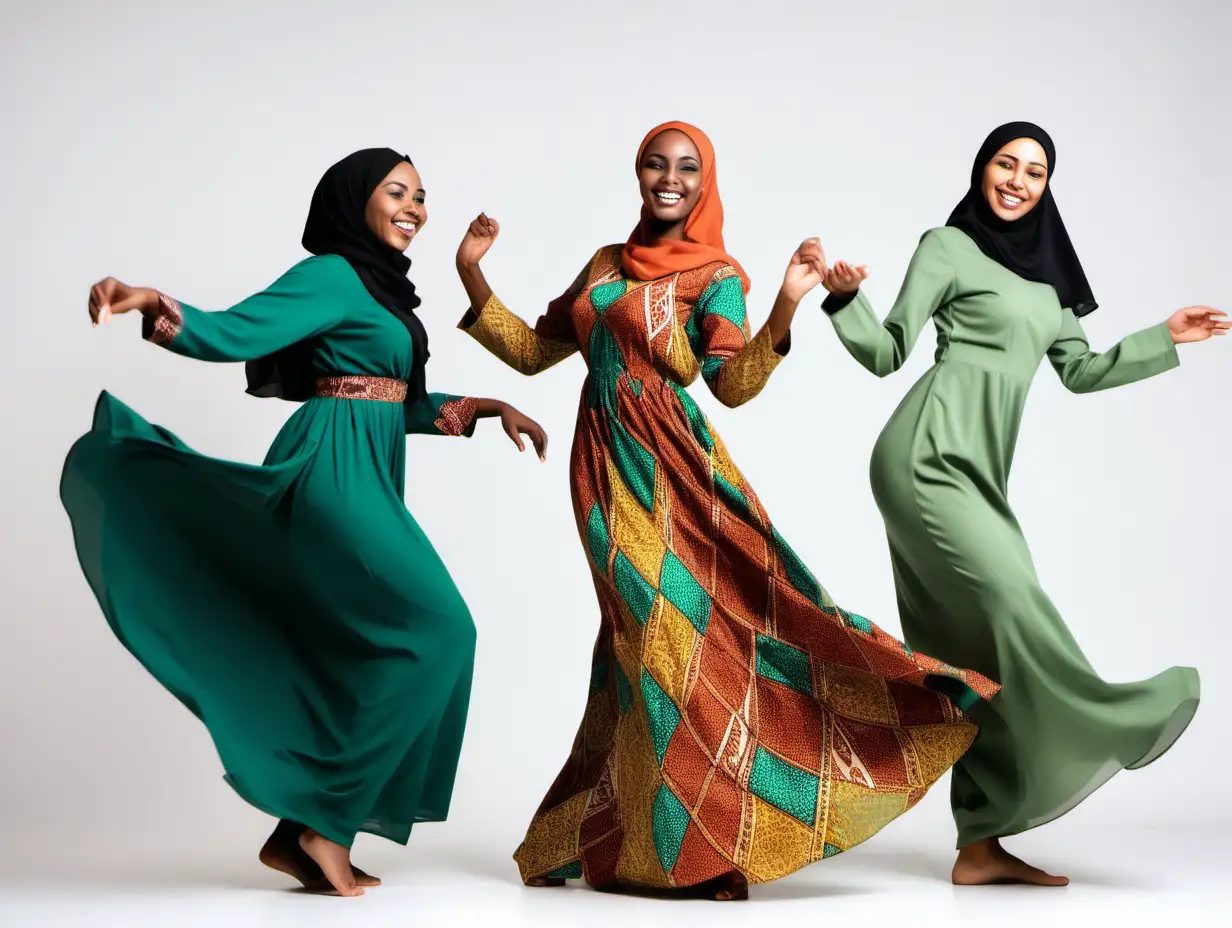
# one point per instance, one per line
(703, 230)
(1035, 247)
(336, 226)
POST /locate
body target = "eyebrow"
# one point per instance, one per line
(1014, 158)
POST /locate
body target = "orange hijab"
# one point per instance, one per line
(703, 230)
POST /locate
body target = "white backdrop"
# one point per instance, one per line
(176, 146)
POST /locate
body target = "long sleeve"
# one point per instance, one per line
(306, 301)
(883, 347)
(734, 366)
(441, 414)
(1136, 357)
(528, 351)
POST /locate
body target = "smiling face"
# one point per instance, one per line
(1015, 178)
(396, 211)
(670, 176)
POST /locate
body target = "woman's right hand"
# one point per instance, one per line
(477, 240)
(844, 279)
(110, 297)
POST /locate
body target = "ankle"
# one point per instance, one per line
(982, 850)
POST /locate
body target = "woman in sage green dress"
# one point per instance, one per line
(297, 608)
(1005, 289)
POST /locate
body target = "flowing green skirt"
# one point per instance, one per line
(968, 594)
(296, 608)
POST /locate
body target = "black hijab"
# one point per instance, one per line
(1036, 246)
(336, 226)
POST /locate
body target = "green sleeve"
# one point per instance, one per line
(441, 414)
(307, 300)
(882, 347)
(1136, 357)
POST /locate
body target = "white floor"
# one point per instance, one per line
(1121, 878)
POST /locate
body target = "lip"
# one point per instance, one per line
(668, 198)
(407, 233)
(1010, 200)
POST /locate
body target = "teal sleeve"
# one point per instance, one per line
(883, 347)
(441, 414)
(1136, 357)
(307, 300)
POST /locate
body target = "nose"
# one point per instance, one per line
(1017, 181)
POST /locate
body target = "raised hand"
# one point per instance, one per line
(806, 269)
(1197, 324)
(477, 240)
(844, 278)
(516, 424)
(110, 297)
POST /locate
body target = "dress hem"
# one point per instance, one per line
(1169, 735)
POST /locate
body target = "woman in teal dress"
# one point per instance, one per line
(296, 607)
(1004, 288)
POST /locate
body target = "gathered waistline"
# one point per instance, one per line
(361, 387)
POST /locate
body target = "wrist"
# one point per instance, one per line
(486, 408)
(790, 296)
(151, 302)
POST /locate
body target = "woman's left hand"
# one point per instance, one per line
(805, 270)
(516, 424)
(1197, 324)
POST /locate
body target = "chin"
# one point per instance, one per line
(672, 214)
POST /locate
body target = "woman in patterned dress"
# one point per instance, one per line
(297, 608)
(739, 723)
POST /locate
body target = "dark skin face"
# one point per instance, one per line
(397, 209)
(670, 177)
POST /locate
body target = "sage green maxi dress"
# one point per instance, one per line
(967, 589)
(296, 607)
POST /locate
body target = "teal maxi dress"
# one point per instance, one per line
(296, 607)
(967, 589)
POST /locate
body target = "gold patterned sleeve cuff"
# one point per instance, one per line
(512, 340)
(745, 373)
(167, 323)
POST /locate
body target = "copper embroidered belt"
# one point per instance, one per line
(359, 387)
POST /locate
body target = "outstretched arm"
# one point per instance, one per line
(307, 300)
(1136, 357)
(489, 321)
(883, 347)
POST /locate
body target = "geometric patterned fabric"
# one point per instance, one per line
(738, 720)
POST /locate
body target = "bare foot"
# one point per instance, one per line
(282, 852)
(731, 888)
(334, 861)
(986, 863)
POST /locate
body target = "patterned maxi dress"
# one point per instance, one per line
(738, 721)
